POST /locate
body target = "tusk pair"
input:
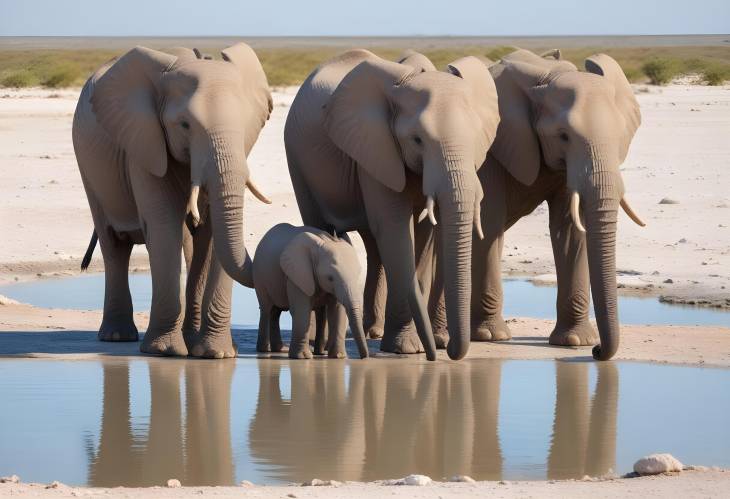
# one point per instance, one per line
(193, 205)
(256, 192)
(575, 212)
(428, 210)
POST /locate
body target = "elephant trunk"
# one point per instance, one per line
(456, 206)
(601, 201)
(350, 299)
(227, 175)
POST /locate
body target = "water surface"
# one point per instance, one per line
(142, 421)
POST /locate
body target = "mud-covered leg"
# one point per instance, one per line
(572, 327)
(300, 308)
(375, 289)
(118, 320)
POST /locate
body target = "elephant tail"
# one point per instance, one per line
(89, 251)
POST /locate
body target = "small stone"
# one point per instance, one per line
(683, 240)
(314, 482)
(333, 483)
(54, 485)
(10, 479)
(668, 201)
(246, 483)
(462, 478)
(503, 482)
(418, 480)
(668, 281)
(174, 483)
(291, 495)
(655, 464)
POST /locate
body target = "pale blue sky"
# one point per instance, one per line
(361, 18)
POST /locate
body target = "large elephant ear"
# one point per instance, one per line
(357, 119)
(297, 261)
(253, 74)
(417, 61)
(125, 102)
(516, 146)
(484, 97)
(606, 66)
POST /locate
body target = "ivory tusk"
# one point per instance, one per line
(478, 221)
(575, 211)
(256, 192)
(193, 205)
(428, 211)
(633, 216)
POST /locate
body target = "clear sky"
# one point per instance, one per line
(361, 17)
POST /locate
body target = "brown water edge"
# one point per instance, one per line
(140, 422)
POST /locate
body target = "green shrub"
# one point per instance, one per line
(497, 53)
(17, 79)
(633, 74)
(660, 70)
(716, 75)
(63, 75)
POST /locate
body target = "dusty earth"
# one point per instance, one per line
(675, 177)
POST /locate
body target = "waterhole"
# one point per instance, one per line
(139, 422)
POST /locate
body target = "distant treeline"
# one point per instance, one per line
(290, 66)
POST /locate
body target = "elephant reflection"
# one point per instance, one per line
(197, 453)
(385, 420)
(368, 422)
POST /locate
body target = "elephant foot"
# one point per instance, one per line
(118, 330)
(336, 354)
(493, 329)
(320, 350)
(213, 346)
(170, 344)
(576, 335)
(402, 342)
(375, 332)
(303, 352)
(441, 337)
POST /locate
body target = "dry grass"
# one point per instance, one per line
(290, 66)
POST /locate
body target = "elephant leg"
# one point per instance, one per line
(200, 249)
(337, 326)
(263, 341)
(572, 327)
(277, 345)
(300, 308)
(391, 222)
(118, 321)
(214, 340)
(436, 298)
(321, 338)
(375, 289)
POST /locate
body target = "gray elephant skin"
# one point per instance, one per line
(562, 138)
(370, 144)
(161, 142)
(303, 270)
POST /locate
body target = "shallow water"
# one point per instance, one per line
(522, 299)
(142, 421)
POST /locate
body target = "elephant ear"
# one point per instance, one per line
(606, 66)
(252, 73)
(358, 119)
(484, 98)
(417, 61)
(297, 261)
(183, 55)
(125, 102)
(516, 146)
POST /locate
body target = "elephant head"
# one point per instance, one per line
(395, 120)
(163, 109)
(583, 123)
(320, 261)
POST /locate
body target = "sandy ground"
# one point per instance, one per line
(687, 484)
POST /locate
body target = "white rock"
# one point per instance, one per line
(246, 483)
(654, 464)
(462, 478)
(174, 483)
(314, 482)
(417, 480)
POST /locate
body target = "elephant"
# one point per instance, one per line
(562, 137)
(303, 269)
(370, 144)
(161, 143)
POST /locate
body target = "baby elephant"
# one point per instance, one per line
(303, 269)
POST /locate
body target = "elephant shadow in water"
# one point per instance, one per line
(197, 452)
(368, 422)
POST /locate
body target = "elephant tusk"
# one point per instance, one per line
(193, 205)
(256, 192)
(428, 211)
(575, 211)
(633, 216)
(478, 213)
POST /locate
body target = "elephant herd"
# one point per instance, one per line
(429, 167)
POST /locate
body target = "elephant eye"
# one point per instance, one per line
(417, 140)
(185, 125)
(564, 136)
(330, 278)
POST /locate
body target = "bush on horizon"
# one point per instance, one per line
(661, 70)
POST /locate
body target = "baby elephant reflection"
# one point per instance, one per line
(197, 453)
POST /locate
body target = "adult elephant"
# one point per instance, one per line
(160, 139)
(370, 143)
(562, 138)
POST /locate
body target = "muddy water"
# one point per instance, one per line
(522, 299)
(142, 421)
